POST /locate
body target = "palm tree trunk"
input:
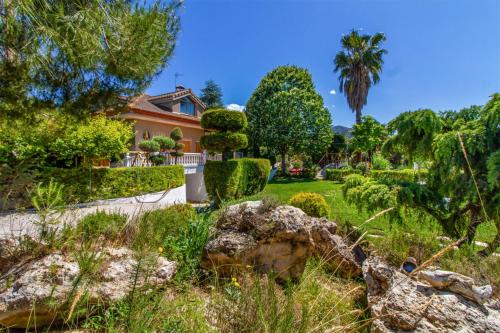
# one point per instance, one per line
(358, 117)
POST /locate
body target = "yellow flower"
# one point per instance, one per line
(248, 266)
(233, 279)
(160, 249)
(236, 284)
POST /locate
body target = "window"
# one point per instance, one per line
(187, 107)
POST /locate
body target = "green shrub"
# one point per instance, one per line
(155, 226)
(157, 159)
(339, 174)
(83, 185)
(234, 178)
(403, 175)
(100, 223)
(313, 204)
(362, 167)
(224, 120)
(380, 163)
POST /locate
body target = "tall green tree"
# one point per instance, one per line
(368, 136)
(81, 56)
(211, 95)
(359, 65)
(286, 115)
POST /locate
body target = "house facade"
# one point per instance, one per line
(158, 115)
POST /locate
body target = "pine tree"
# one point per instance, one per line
(211, 95)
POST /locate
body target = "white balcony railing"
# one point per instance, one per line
(139, 158)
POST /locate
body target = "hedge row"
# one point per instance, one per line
(235, 178)
(84, 185)
(408, 175)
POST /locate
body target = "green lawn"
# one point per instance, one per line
(342, 212)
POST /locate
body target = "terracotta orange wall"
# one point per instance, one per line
(191, 135)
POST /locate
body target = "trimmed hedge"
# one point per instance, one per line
(406, 175)
(340, 174)
(235, 178)
(224, 120)
(83, 185)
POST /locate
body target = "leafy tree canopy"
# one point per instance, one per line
(286, 114)
(368, 136)
(211, 95)
(81, 56)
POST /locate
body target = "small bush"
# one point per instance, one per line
(224, 120)
(100, 223)
(157, 160)
(339, 174)
(313, 204)
(362, 167)
(234, 178)
(164, 142)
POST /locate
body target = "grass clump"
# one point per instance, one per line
(100, 223)
(313, 204)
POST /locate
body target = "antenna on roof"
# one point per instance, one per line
(176, 75)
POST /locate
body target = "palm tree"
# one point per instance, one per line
(360, 63)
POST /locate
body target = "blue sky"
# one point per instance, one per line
(442, 54)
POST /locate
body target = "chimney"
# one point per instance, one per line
(179, 88)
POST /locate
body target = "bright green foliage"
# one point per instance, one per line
(149, 146)
(81, 56)
(339, 174)
(360, 64)
(379, 162)
(368, 136)
(100, 223)
(415, 134)
(234, 178)
(403, 175)
(313, 204)
(224, 120)
(211, 95)
(226, 137)
(177, 136)
(286, 114)
(165, 143)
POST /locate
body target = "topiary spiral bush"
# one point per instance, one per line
(225, 137)
(313, 204)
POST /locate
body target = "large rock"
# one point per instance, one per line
(277, 239)
(47, 287)
(400, 303)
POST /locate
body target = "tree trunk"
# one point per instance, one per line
(283, 163)
(358, 117)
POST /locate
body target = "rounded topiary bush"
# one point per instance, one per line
(223, 141)
(149, 146)
(313, 204)
(164, 142)
(224, 120)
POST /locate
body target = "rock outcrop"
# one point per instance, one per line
(47, 287)
(278, 239)
(402, 303)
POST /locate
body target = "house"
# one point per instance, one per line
(158, 115)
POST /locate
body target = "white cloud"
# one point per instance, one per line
(333, 92)
(235, 107)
